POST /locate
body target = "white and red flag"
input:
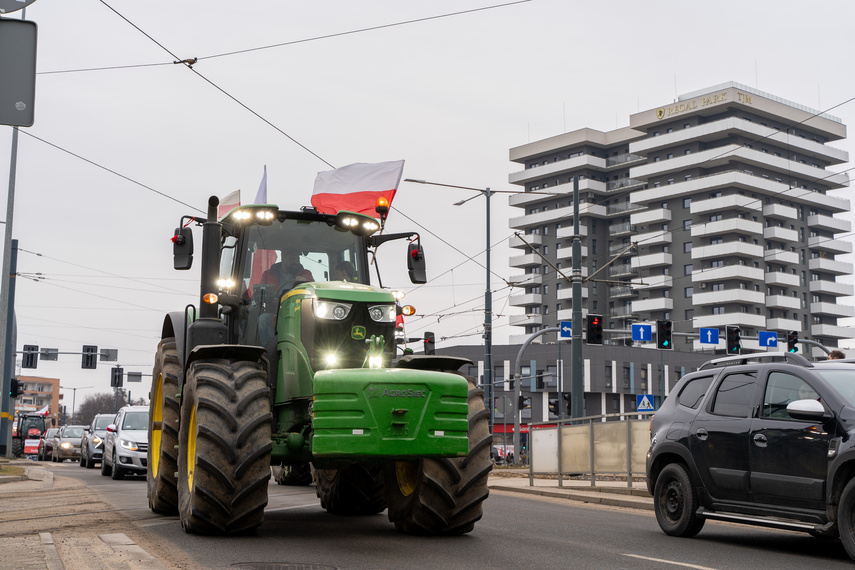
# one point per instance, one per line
(44, 411)
(356, 187)
(261, 195)
(229, 203)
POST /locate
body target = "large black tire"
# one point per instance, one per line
(224, 447)
(353, 490)
(17, 448)
(163, 430)
(675, 501)
(846, 518)
(293, 475)
(443, 496)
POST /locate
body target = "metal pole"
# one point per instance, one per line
(488, 325)
(7, 365)
(577, 381)
(518, 387)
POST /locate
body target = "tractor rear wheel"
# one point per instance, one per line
(163, 430)
(443, 496)
(224, 447)
(356, 489)
(299, 475)
(17, 448)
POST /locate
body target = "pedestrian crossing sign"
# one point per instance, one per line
(644, 403)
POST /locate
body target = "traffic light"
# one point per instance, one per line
(792, 341)
(734, 340)
(555, 407)
(567, 400)
(90, 357)
(663, 335)
(524, 402)
(594, 330)
(430, 344)
(15, 388)
(31, 356)
(116, 377)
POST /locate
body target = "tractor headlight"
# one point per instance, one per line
(382, 313)
(332, 310)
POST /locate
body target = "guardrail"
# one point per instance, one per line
(609, 444)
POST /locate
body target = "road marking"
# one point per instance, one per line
(683, 564)
(315, 504)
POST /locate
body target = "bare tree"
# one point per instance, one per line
(103, 403)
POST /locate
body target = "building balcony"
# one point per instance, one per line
(781, 279)
(727, 249)
(738, 318)
(525, 300)
(783, 302)
(556, 215)
(567, 315)
(728, 226)
(779, 212)
(567, 253)
(621, 229)
(550, 170)
(525, 320)
(834, 288)
(566, 293)
(525, 260)
(783, 325)
(728, 296)
(832, 309)
(829, 223)
(831, 266)
(728, 272)
(728, 203)
(623, 270)
(624, 184)
(623, 313)
(832, 331)
(778, 233)
(656, 282)
(652, 260)
(517, 242)
(526, 279)
(653, 305)
(781, 256)
(548, 194)
(651, 216)
(659, 237)
(622, 208)
(833, 246)
(618, 292)
(622, 249)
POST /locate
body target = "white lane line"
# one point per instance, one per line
(683, 564)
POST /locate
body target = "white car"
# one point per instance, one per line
(126, 443)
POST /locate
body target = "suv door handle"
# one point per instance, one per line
(760, 440)
(702, 434)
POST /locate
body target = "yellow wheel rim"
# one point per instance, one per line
(191, 448)
(407, 475)
(156, 420)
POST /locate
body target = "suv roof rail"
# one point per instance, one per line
(789, 357)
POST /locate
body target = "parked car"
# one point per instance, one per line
(92, 445)
(66, 443)
(46, 444)
(763, 439)
(126, 443)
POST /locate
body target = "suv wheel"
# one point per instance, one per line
(105, 469)
(675, 502)
(846, 518)
(117, 473)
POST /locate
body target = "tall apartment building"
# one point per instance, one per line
(715, 210)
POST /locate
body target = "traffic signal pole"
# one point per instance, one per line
(8, 362)
(577, 368)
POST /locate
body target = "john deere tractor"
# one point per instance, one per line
(288, 363)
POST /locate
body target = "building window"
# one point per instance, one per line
(687, 269)
(688, 292)
(687, 202)
(687, 247)
(687, 225)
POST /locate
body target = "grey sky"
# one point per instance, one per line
(448, 95)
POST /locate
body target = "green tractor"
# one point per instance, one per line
(290, 362)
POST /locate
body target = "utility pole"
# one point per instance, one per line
(577, 369)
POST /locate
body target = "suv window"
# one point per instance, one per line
(135, 421)
(733, 395)
(781, 389)
(103, 422)
(694, 391)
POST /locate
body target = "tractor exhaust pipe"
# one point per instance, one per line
(210, 260)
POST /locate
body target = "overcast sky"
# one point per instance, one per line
(126, 138)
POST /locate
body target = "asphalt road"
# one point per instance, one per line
(517, 531)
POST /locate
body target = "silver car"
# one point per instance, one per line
(126, 443)
(66, 443)
(92, 445)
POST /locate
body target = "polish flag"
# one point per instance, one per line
(356, 187)
(261, 195)
(262, 259)
(229, 203)
(44, 411)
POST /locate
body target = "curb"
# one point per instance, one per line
(601, 497)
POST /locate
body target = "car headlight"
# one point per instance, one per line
(331, 310)
(65, 445)
(128, 444)
(382, 313)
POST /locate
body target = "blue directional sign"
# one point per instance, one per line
(566, 329)
(768, 338)
(642, 332)
(709, 336)
(644, 403)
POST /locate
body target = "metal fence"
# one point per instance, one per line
(610, 444)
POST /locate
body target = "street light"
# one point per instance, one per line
(488, 294)
(74, 397)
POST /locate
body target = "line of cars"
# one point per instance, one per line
(119, 442)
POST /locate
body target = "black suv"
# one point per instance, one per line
(763, 439)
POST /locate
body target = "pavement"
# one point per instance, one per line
(35, 551)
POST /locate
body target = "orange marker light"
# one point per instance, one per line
(210, 298)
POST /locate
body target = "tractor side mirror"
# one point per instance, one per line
(416, 263)
(182, 248)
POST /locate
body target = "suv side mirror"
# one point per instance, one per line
(416, 263)
(810, 410)
(111, 428)
(182, 248)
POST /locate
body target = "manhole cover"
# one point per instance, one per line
(281, 566)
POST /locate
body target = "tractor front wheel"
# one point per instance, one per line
(356, 489)
(224, 447)
(163, 430)
(443, 496)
